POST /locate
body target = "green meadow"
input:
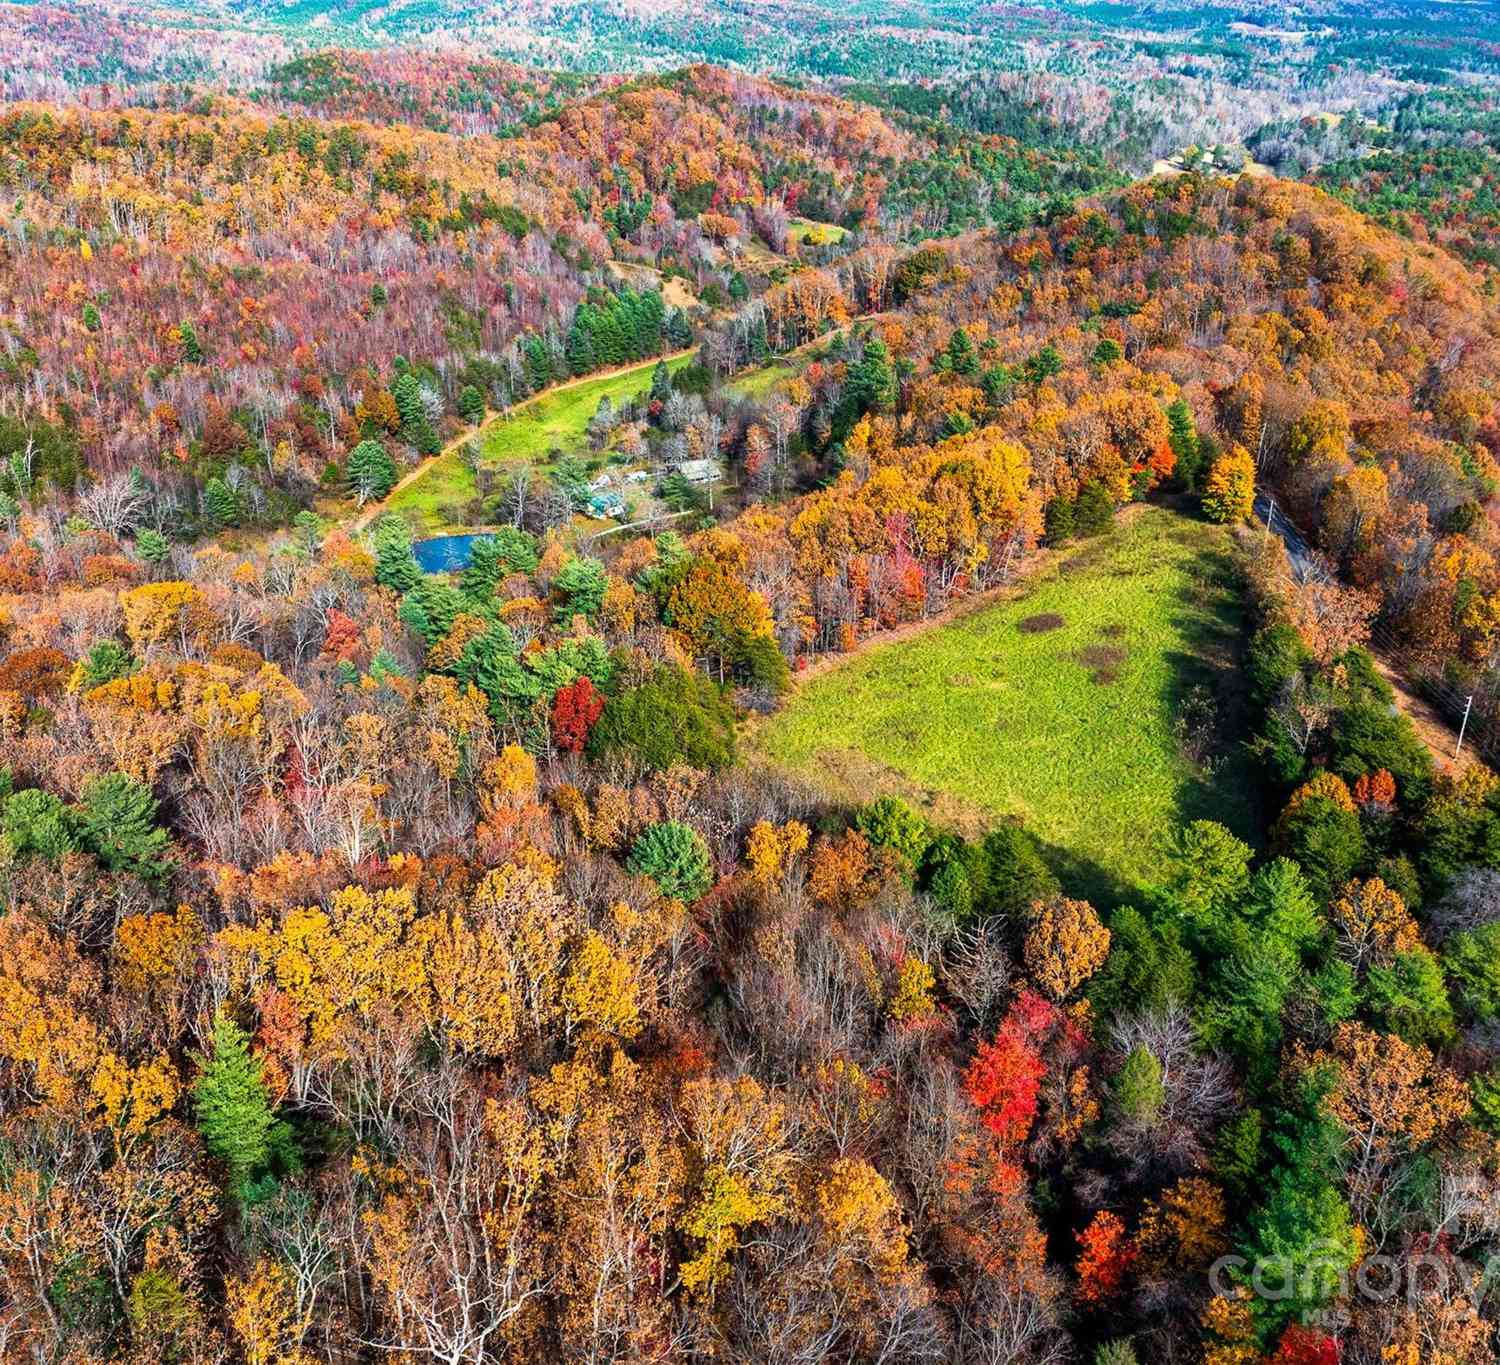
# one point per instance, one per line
(555, 421)
(1056, 707)
(558, 419)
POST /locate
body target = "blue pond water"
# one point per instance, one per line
(443, 554)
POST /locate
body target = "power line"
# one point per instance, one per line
(1451, 703)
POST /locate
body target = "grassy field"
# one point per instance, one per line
(559, 420)
(822, 234)
(556, 420)
(1056, 706)
(757, 384)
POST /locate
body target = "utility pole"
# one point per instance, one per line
(1468, 706)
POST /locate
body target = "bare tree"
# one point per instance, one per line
(114, 504)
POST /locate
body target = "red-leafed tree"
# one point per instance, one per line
(341, 639)
(575, 709)
(1301, 1345)
(1105, 1259)
(1005, 1077)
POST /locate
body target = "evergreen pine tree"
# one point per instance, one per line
(407, 392)
(35, 822)
(230, 1104)
(424, 440)
(1107, 352)
(470, 403)
(661, 383)
(654, 312)
(370, 471)
(961, 356)
(192, 352)
(957, 423)
(119, 828)
(620, 339)
(871, 385)
(538, 362)
(485, 568)
(220, 503)
(1182, 436)
(1043, 365)
(429, 608)
(582, 582)
(1059, 520)
(152, 546)
(580, 344)
(1093, 511)
(105, 662)
(640, 324)
(517, 549)
(395, 565)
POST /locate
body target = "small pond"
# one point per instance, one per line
(444, 554)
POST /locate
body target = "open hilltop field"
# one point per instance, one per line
(1056, 707)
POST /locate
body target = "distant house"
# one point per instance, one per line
(701, 471)
(638, 476)
(603, 481)
(606, 505)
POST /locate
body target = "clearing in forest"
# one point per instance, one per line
(1100, 705)
(556, 419)
(756, 385)
(810, 232)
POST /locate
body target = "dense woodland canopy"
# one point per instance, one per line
(178, 282)
(402, 965)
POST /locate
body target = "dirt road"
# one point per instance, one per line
(469, 433)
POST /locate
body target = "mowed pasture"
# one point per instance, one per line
(1072, 706)
(554, 421)
(557, 419)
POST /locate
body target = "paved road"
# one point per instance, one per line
(1298, 550)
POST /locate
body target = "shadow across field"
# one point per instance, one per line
(1220, 783)
(1085, 879)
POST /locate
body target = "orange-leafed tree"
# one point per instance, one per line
(1106, 1255)
(1066, 943)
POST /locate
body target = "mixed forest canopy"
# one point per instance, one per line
(785, 683)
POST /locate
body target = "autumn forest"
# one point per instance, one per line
(688, 683)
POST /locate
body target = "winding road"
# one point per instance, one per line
(469, 433)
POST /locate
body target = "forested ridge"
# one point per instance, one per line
(292, 258)
(409, 964)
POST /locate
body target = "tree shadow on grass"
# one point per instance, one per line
(1084, 879)
(1210, 617)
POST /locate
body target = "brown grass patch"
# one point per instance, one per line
(1104, 660)
(1041, 624)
